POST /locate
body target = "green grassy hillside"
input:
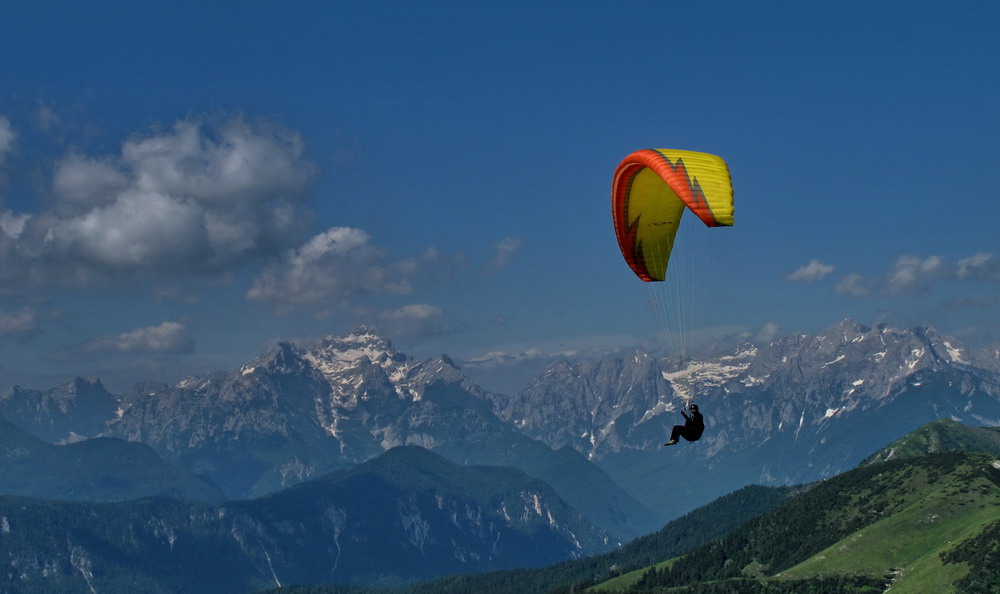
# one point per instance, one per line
(944, 435)
(903, 523)
(935, 513)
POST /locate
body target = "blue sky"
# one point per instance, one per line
(184, 183)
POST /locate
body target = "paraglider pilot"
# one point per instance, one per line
(692, 428)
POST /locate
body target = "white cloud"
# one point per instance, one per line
(329, 269)
(47, 118)
(232, 165)
(79, 180)
(20, 324)
(768, 332)
(12, 225)
(912, 274)
(853, 284)
(505, 250)
(136, 231)
(195, 198)
(7, 137)
(981, 266)
(167, 338)
(811, 272)
(973, 303)
(413, 322)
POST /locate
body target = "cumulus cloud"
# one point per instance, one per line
(168, 337)
(19, 324)
(504, 250)
(87, 182)
(330, 268)
(501, 358)
(413, 322)
(853, 284)
(12, 225)
(911, 274)
(768, 332)
(195, 198)
(981, 266)
(171, 338)
(811, 272)
(47, 118)
(973, 303)
(7, 137)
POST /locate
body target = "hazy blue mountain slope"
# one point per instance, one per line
(101, 469)
(406, 515)
(796, 409)
(78, 409)
(700, 526)
(293, 414)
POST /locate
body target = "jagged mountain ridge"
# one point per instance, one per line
(292, 414)
(619, 404)
(794, 410)
(73, 411)
(302, 411)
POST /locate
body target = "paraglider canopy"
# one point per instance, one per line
(651, 190)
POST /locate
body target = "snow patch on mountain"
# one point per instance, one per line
(837, 360)
(333, 357)
(713, 373)
(956, 354)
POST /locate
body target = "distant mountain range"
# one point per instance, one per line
(100, 469)
(71, 412)
(409, 514)
(793, 410)
(928, 522)
(293, 414)
(405, 515)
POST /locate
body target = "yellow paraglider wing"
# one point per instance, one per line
(651, 190)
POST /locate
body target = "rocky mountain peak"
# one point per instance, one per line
(847, 329)
(362, 341)
(283, 358)
(337, 357)
(988, 357)
(80, 388)
(623, 403)
(65, 413)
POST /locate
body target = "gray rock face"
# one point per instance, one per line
(68, 413)
(294, 414)
(797, 409)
